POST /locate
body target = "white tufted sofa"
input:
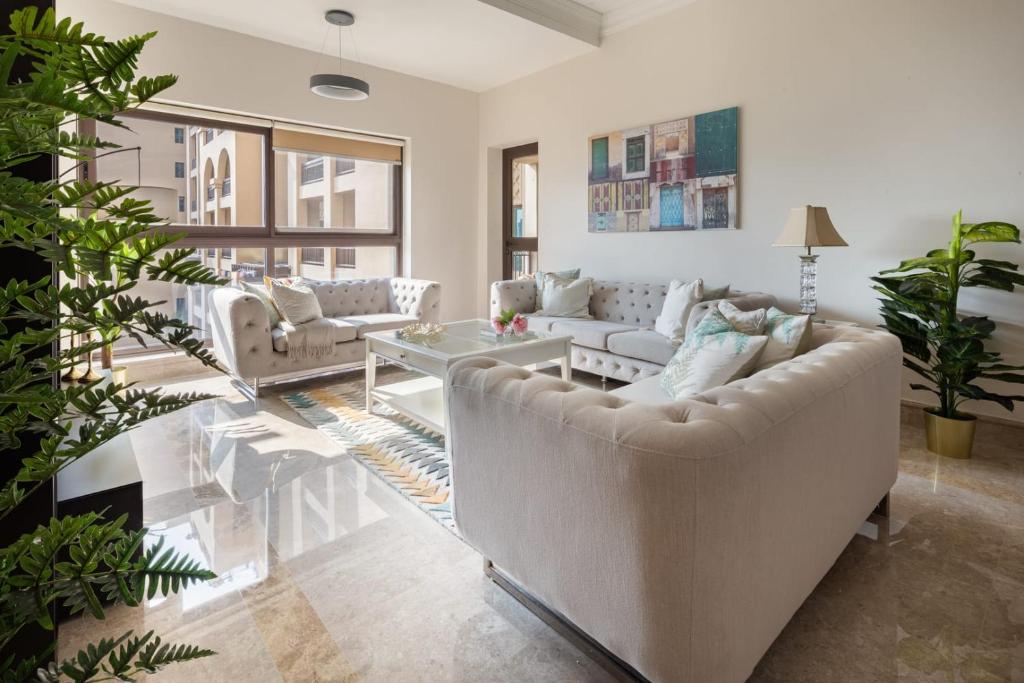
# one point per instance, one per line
(620, 341)
(681, 536)
(252, 352)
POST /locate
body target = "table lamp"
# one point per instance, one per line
(809, 226)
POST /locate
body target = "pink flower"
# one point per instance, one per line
(498, 324)
(519, 324)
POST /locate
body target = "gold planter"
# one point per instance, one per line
(949, 437)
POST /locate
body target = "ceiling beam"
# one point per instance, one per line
(564, 16)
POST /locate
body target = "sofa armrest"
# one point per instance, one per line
(240, 328)
(519, 295)
(745, 301)
(418, 298)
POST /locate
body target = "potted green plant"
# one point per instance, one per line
(920, 306)
(99, 241)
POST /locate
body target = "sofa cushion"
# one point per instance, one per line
(342, 331)
(644, 345)
(541, 323)
(375, 322)
(647, 390)
(591, 333)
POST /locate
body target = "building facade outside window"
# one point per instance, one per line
(179, 169)
(179, 135)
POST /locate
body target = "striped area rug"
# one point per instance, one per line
(406, 455)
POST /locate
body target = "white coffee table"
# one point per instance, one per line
(422, 399)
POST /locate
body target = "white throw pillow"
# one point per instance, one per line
(263, 294)
(713, 354)
(788, 337)
(747, 322)
(571, 274)
(297, 303)
(566, 298)
(679, 301)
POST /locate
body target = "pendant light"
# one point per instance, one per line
(338, 86)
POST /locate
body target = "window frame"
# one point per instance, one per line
(269, 236)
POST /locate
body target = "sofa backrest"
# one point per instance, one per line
(352, 297)
(630, 303)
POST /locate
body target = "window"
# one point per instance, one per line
(312, 257)
(345, 257)
(635, 154)
(599, 158)
(213, 180)
(312, 170)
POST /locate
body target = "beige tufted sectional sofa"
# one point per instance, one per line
(620, 341)
(252, 352)
(682, 536)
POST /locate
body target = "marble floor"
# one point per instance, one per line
(326, 574)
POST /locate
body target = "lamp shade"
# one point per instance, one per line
(809, 226)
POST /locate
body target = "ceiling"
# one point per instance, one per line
(472, 44)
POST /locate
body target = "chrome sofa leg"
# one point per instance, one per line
(882, 509)
(255, 387)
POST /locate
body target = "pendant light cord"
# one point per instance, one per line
(323, 46)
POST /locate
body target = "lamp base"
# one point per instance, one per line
(808, 283)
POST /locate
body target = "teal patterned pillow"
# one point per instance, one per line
(788, 337)
(712, 355)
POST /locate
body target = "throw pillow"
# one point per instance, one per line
(565, 298)
(679, 301)
(297, 303)
(747, 322)
(261, 293)
(571, 274)
(788, 337)
(712, 355)
(716, 293)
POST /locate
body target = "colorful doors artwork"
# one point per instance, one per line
(670, 207)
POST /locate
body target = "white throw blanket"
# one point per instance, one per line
(309, 341)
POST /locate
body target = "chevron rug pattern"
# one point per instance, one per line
(406, 455)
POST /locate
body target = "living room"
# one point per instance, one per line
(549, 340)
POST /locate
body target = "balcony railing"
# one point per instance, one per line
(225, 189)
(312, 171)
(343, 166)
(210, 192)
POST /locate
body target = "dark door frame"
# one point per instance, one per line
(509, 243)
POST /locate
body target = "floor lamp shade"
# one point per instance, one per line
(809, 226)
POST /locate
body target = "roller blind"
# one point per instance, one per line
(309, 140)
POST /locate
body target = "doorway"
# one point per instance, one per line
(519, 181)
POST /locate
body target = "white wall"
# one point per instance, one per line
(230, 71)
(893, 114)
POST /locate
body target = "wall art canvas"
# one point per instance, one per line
(675, 175)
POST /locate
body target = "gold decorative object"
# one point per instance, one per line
(948, 437)
(419, 333)
(90, 374)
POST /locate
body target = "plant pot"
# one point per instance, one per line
(950, 437)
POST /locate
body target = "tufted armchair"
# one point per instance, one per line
(684, 535)
(252, 352)
(620, 341)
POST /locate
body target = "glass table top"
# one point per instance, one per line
(469, 336)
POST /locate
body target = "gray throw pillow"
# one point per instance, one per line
(261, 293)
(565, 298)
(716, 293)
